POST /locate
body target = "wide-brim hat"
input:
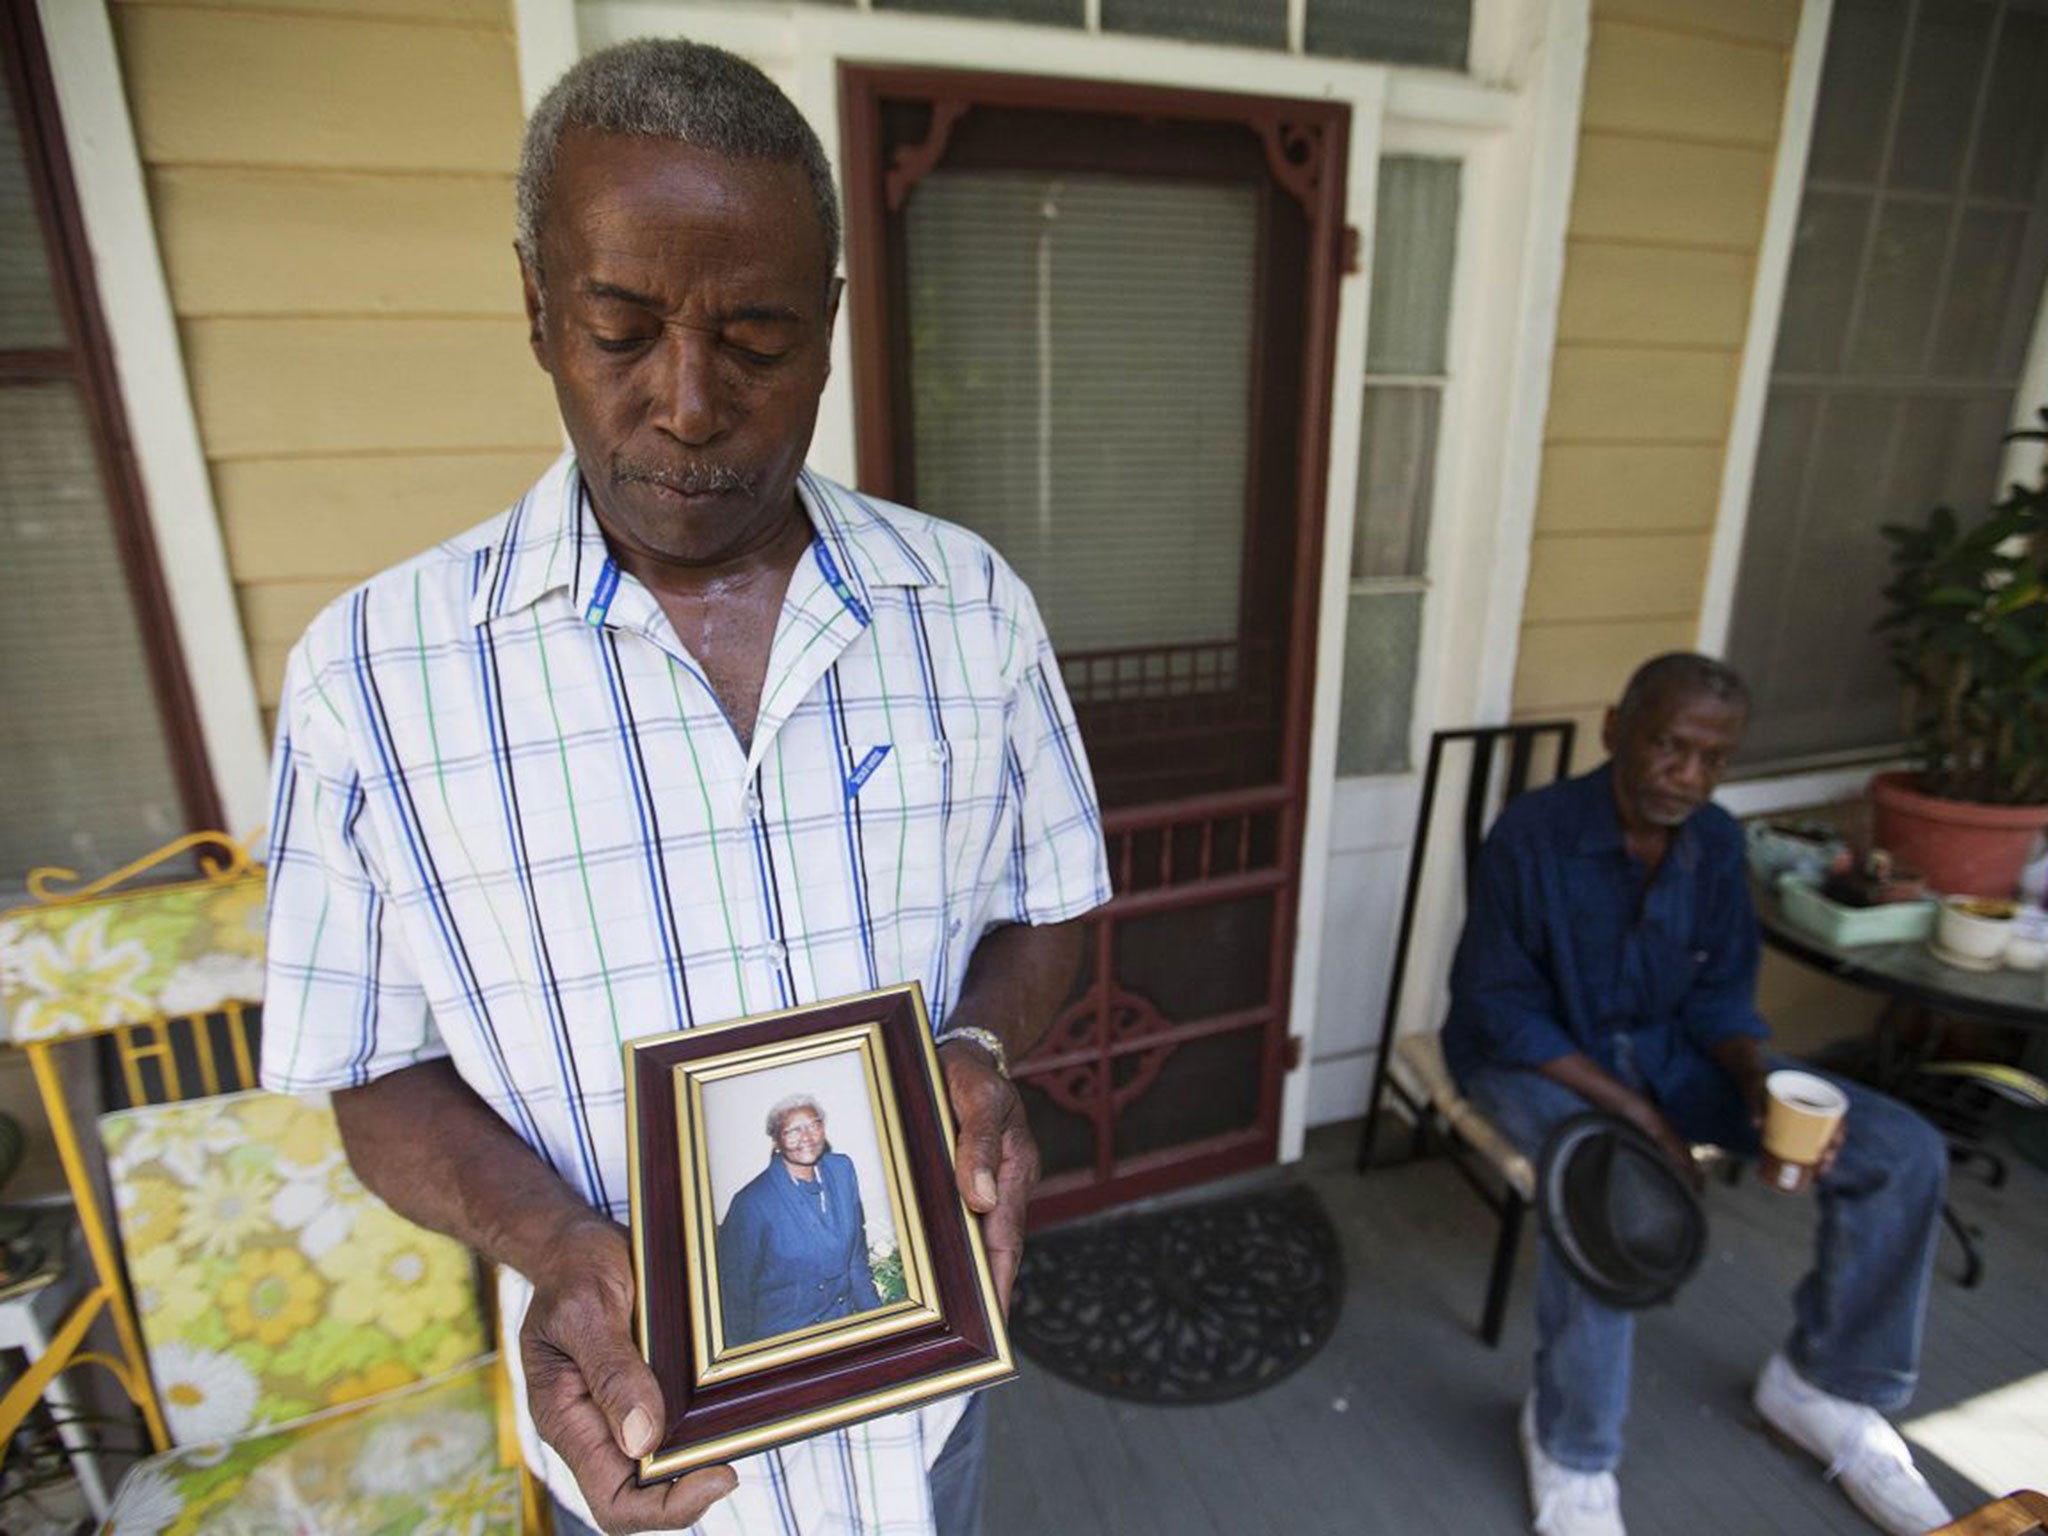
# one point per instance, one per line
(1625, 1222)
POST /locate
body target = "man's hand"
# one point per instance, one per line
(996, 1160)
(1648, 1119)
(1015, 982)
(593, 1398)
(1743, 1059)
(1603, 1091)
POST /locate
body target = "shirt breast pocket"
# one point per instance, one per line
(897, 803)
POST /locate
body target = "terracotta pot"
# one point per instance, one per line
(1964, 848)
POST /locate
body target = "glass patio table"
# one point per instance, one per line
(1914, 982)
(1909, 972)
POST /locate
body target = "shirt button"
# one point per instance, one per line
(953, 928)
(774, 953)
(936, 751)
(753, 805)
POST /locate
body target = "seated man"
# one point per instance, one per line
(1609, 961)
(793, 1248)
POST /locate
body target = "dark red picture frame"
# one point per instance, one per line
(965, 1347)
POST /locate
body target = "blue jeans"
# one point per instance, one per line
(957, 1479)
(1856, 1316)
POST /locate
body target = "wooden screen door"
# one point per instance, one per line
(1094, 323)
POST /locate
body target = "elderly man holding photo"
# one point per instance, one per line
(688, 733)
(793, 1248)
(1609, 962)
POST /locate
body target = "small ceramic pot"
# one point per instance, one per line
(1975, 927)
(2026, 954)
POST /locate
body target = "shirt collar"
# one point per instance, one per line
(1599, 822)
(551, 542)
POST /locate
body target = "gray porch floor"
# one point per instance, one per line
(1405, 1421)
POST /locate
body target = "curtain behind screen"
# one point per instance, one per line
(1080, 362)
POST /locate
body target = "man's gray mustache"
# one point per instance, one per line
(689, 480)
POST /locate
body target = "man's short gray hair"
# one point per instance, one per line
(1683, 673)
(782, 1109)
(670, 88)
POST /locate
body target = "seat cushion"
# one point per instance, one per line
(1418, 1067)
(423, 1460)
(268, 1282)
(74, 968)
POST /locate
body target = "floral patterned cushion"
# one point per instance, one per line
(76, 968)
(423, 1461)
(268, 1282)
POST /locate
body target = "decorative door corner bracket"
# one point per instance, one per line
(1294, 154)
(913, 162)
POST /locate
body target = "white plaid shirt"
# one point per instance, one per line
(512, 826)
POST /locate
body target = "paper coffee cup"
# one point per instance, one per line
(1800, 1115)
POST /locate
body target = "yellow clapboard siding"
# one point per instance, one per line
(1586, 748)
(279, 611)
(1618, 488)
(267, 659)
(1619, 394)
(1761, 21)
(1582, 666)
(249, 242)
(468, 13)
(266, 388)
(1615, 576)
(1660, 190)
(1645, 80)
(274, 615)
(1643, 293)
(299, 519)
(228, 88)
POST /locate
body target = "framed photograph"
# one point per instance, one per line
(802, 1255)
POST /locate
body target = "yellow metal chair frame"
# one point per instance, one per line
(138, 1044)
(146, 1046)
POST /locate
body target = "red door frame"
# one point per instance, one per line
(1244, 842)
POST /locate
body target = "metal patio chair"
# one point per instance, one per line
(299, 1355)
(1499, 763)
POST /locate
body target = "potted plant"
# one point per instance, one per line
(1967, 615)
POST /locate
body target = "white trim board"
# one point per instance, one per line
(1333, 593)
(1766, 305)
(545, 31)
(1799, 791)
(163, 431)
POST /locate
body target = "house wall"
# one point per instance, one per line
(1680, 125)
(330, 183)
(331, 186)
(1683, 107)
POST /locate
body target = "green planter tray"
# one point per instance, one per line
(1896, 922)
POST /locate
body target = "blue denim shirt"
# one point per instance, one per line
(1565, 949)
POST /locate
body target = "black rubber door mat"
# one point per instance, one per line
(1190, 1305)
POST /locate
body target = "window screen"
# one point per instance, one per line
(28, 297)
(1435, 33)
(1248, 23)
(85, 775)
(1057, 13)
(1080, 349)
(1395, 31)
(1414, 253)
(1916, 277)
